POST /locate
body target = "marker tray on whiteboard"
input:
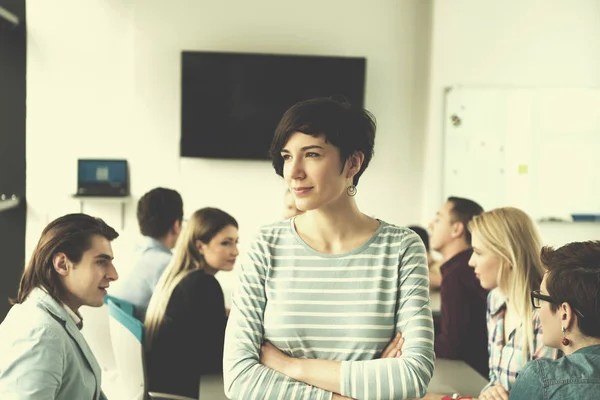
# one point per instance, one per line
(586, 217)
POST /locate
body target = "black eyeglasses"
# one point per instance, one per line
(537, 298)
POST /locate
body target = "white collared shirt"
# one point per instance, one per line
(74, 316)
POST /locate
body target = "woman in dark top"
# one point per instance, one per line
(186, 317)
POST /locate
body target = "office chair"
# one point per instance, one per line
(127, 336)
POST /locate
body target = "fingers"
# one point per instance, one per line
(502, 392)
(394, 348)
(496, 392)
(390, 347)
(394, 344)
(399, 347)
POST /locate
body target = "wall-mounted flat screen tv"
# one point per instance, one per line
(232, 102)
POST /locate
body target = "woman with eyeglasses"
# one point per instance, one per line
(506, 248)
(570, 314)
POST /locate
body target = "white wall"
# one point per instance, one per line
(512, 42)
(79, 102)
(104, 80)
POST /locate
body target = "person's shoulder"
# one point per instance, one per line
(199, 278)
(200, 281)
(31, 322)
(400, 245)
(528, 381)
(195, 285)
(532, 368)
(397, 233)
(277, 227)
(546, 369)
(153, 256)
(578, 364)
(274, 233)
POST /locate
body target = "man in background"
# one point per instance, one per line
(462, 332)
(159, 214)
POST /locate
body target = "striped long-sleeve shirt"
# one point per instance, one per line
(344, 307)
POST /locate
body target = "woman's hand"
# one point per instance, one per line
(394, 348)
(272, 357)
(496, 392)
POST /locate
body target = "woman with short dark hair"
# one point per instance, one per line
(570, 316)
(324, 292)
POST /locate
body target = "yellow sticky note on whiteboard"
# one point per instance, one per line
(523, 169)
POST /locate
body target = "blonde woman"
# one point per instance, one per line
(506, 248)
(185, 321)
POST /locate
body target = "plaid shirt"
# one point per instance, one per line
(506, 359)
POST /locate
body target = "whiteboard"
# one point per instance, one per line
(533, 148)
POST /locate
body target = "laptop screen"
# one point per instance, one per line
(102, 171)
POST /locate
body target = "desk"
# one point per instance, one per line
(451, 376)
(211, 387)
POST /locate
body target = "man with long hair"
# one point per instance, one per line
(43, 353)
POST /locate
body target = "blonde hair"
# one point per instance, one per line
(202, 226)
(513, 236)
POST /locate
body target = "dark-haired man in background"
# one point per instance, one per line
(462, 331)
(159, 214)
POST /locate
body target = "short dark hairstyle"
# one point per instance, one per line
(350, 129)
(70, 234)
(463, 210)
(158, 210)
(574, 278)
(422, 234)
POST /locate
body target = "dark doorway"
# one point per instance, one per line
(12, 148)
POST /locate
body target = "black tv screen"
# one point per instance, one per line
(232, 102)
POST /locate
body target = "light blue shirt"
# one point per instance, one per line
(138, 286)
(43, 355)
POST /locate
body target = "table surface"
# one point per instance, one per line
(211, 387)
(455, 376)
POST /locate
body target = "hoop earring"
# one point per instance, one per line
(565, 341)
(351, 191)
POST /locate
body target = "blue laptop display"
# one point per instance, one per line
(102, 178)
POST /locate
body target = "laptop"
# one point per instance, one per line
(102, 178)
